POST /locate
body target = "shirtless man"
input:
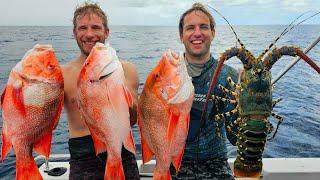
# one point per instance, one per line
(90, 25)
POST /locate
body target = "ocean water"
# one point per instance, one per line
(299, 134)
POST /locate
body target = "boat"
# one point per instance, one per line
(273, 168)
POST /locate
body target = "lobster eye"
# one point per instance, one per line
(258, 72)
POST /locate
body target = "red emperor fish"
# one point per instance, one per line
(104, 103)
(31, 106)
(163, 113)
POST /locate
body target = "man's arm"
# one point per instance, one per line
(132, 83)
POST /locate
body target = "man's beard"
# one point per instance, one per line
(80, 45)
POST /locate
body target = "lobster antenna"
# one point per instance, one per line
(304, 20)
(241, 44)
(285, 31)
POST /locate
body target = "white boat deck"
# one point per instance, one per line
(273, 168)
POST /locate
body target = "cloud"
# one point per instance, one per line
(153, 12)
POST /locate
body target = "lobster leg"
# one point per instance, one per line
(226, 100)
(233, 124)
(280, 120)
(275, 102)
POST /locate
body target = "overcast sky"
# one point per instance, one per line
(157, 12)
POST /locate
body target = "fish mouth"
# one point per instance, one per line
(186, 89)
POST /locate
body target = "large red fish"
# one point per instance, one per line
(163, 113)
(104, 103)
(31, 106)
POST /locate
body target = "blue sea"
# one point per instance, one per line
(298, 135)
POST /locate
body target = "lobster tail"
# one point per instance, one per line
(276, 54)
(251, 142)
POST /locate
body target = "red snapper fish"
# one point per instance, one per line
(104, 103)
(163, 113)
(31, 106)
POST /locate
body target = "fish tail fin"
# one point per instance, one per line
(27, 170)
(158, 175)
(114, 170)
(6, 144)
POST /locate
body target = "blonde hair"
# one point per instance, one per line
(89, 8)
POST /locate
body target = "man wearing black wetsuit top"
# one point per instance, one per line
(205, 155)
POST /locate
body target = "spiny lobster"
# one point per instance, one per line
(253, 101)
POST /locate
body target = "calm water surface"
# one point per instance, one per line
(299, 134)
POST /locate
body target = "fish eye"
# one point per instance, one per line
(157, 75)
(51, 66)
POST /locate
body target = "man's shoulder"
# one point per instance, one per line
(71, 65)
(131, 75)
(128, 68)
(127, 65)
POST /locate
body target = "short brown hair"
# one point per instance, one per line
(196, 7)
(90, 8)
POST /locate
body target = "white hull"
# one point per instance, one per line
(273, 168)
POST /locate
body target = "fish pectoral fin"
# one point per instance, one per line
(128, 96)
(43, 145)
(57, 116)
(172, 126)
(26, 169)
(6, 145)
(146, 151)
(2, 96)
(176, 161)
(129, 143)
(99, 146)
(18, 100)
